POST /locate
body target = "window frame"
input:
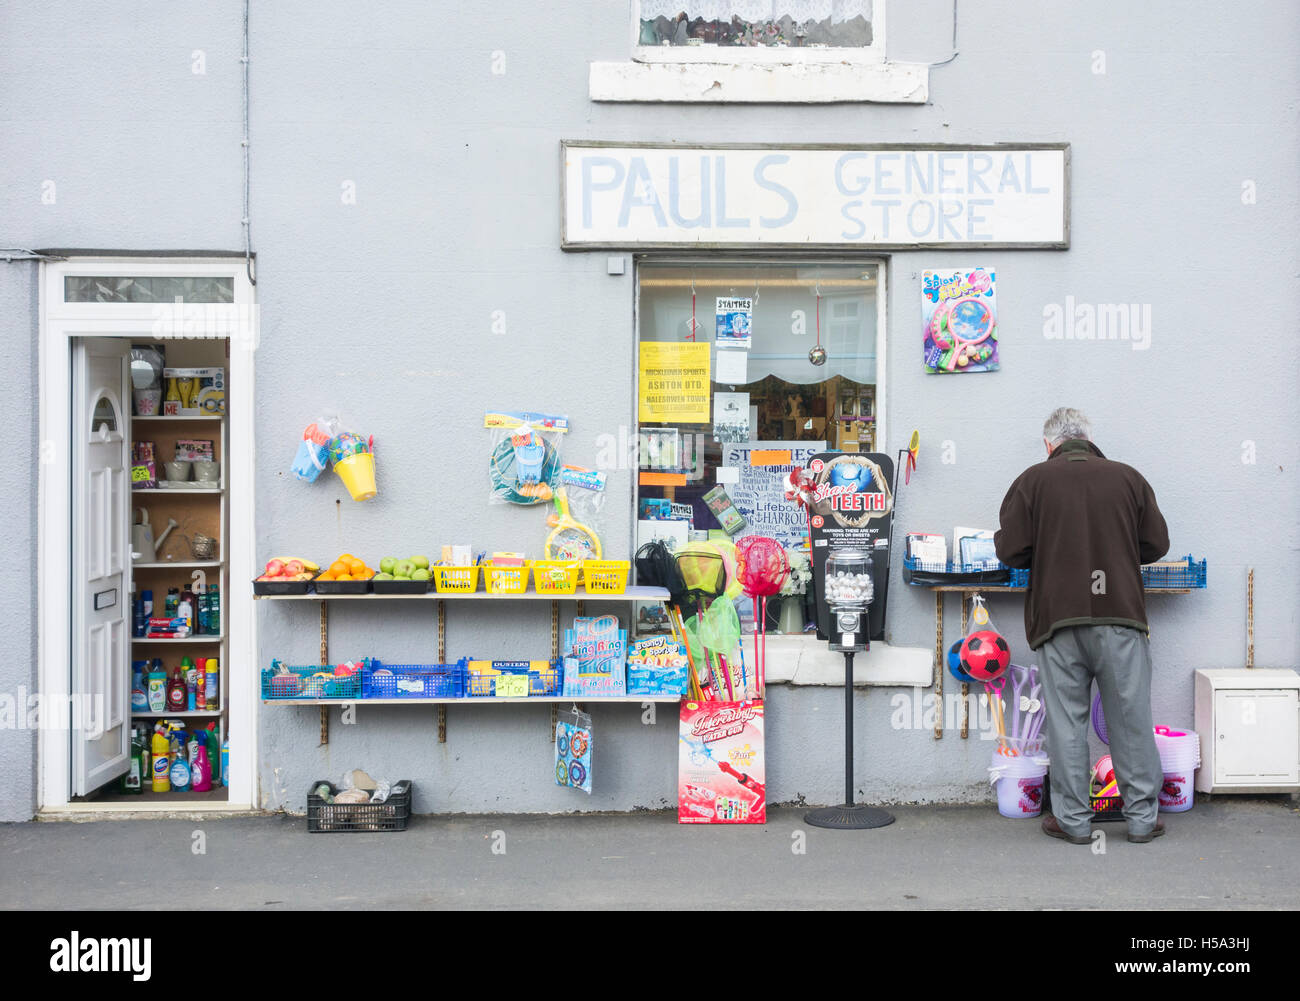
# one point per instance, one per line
(880, 262)
(746, 55)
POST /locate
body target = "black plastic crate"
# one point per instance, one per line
(333, 818)
(344, 586)
(923, 574)
(402, 586)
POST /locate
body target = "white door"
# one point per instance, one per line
(99, 714)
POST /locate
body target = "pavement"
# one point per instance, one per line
(1229, 853)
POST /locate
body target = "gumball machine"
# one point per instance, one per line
(849, 590)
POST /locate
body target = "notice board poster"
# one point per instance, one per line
(853, 505)
(759, 494)
(721, 775)
(674, 382)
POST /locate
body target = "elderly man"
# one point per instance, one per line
(1083, 524)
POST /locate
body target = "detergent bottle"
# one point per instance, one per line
(225, 762)
(201, 769)
(160, 760)
(176, 692)
(180, 767)
(213, 745)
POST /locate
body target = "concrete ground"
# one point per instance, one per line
(1230, 853)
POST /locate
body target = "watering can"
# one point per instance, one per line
(144, 548)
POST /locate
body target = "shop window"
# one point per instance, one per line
(706, 403)
(741, 30)
(144, 288)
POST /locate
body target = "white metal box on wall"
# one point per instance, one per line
(1249, 724)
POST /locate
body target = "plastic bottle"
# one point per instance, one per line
(191, 684)
(202, 769)
(147, 598)
(176, 692)
(139, 690)
(137, 618)
(157, 691)
(214, 610)
(180, 773)
(201, 613)
(211, 686)
(187, 609)
(160, 766)
(213, 745)
(173, 599)
(225, 762)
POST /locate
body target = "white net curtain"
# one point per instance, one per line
(841, 23)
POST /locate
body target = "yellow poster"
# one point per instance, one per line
(674, 382)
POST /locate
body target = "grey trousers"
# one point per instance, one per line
(1119, 657)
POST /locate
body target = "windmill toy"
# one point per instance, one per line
(764, 568)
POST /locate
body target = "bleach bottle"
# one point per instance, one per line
(160, 766)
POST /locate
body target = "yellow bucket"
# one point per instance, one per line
(358, 474)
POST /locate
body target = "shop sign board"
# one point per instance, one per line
(884, 196)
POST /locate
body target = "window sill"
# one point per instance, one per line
(806, 660)
(760, 83)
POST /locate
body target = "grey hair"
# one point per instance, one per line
(1066, 423)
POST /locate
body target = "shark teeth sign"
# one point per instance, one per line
(632, 195)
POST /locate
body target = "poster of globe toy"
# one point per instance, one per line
(959, 317)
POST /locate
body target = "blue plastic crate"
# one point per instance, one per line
(414, 681)
(1019, 578)
(314, 681)
(922, 573)
(1192, 575)
(540, 683)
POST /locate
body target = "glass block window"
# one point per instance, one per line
(138, 288)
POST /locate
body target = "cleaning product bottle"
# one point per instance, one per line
(201, 767)
(180, 773)
(213, 745)
(176, 692)
(139, 693)
(160, 766)
(191, 683)
(225, 762)
(173, 599)
(157, 690)
(211, 686)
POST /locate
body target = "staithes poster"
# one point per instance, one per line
(760, 494)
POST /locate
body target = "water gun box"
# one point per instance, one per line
(721, 773)
(203, 392)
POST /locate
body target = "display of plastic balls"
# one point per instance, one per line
(954, 663)
(985, 655)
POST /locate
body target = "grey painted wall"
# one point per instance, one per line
(381, 310)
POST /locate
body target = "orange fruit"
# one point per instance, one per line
(338, 567)
(355, 566)
(326, 576)
(344, 576)
(345, 557)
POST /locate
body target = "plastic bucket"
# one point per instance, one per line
(358, 474)
(1019, 784)
(1180, 756)
(310, 460)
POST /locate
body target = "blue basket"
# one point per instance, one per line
(315, 681)
(414, 681)
(1180, 577)
(1019, 578)
(921, 573)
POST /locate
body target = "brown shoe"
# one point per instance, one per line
(1155, 832)
(1053, 830)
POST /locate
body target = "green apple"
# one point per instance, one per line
(383, 576)
(387, 563)
(403, 568)
(420, 573)
(421, 562)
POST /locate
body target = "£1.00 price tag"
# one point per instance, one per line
(512, 686)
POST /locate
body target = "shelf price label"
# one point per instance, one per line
(512, 686)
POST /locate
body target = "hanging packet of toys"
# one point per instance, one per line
(594, 656)
(576, 526)
(573, 744)
(524, 462)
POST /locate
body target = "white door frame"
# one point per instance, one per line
(60, 321)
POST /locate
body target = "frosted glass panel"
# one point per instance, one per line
(119, 288)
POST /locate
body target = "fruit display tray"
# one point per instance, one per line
(403, 586)
(273, 587)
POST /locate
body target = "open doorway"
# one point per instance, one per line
(143, 530)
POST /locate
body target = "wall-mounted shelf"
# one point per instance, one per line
(188, 713)
(631, 594)
(201, 638)
(178, 565)
(168, 418)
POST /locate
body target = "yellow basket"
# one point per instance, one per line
(605, 576)
(556, 576)
(455, 580)
(506, 580)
